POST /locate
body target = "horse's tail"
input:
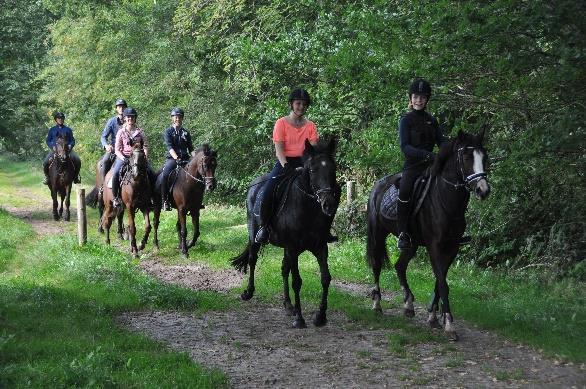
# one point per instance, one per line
(91, 199)
(376, 251)
(240, 262)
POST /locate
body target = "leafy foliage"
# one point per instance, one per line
(515, 66)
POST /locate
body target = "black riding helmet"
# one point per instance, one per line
(121, 102)
(130, 112)
(59, 115)
(177, 112)
(420, 87)
(299, 94)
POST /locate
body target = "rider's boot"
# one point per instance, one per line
(404, 240)
(46, 180)
(266, 211)
(77, 179)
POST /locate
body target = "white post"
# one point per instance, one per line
(81, 217)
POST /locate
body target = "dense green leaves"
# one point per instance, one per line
(515, 66)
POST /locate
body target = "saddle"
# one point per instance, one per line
(171, 180)
(388, 205)
(279, 195)
(124, 177)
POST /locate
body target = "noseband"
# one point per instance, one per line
(207, 180)
(466, 180)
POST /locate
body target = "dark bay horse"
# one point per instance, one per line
(61, 175)
(135, 193)
(187, 194)
(438, 225)
(302, 222)
(96, 198)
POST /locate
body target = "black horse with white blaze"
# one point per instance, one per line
(304, 216)
(438, 224)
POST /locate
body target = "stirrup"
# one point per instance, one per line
(116, 202)
(166, 206)
(77, 180)
(262, 235)
(404, 241)
(46, 180)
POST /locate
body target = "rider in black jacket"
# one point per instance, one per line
(419, 132)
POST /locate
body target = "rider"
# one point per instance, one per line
(418, 133)
(289, 135)
(128, 134)
(179, 145)
(109, 136)
(67, 134)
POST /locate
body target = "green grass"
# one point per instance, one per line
(58, 300)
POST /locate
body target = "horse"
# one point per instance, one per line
(95, 198)
(61, 175)
(303, 220)
(438, 224)
(187, 192)
(135, 193)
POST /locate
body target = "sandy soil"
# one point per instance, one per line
(256, 346)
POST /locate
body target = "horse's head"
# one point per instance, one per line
(205, 161)
(138, 161)
(61, 149)
(470, 162)
(320, 165)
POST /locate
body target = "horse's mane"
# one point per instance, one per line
(205, 149)
(323, 146)
(450, 146)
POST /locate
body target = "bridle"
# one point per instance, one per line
(465, 180)
(201, 172)
(317, 193)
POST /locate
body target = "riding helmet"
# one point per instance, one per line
(121, 102)
(299, 94)
(129, 112)
(59, 115)
(420, 87)
(177, 112)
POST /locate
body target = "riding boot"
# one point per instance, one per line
(404, 240)
(46, 171)
(266, 212)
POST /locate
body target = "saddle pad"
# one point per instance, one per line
(388, 206)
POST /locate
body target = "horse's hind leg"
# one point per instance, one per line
(432, 320)
(182, 214)
(195, 223)
(253, 249)
(120, 224)
(293, 258)
(156, 218)
(322, 258)
(401, 270)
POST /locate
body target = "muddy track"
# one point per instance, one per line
(256, 347)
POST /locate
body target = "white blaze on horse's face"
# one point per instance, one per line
(482, 188)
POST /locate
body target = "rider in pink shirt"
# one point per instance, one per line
(289, 135)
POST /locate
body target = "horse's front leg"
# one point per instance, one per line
(132, 231)
(293, 258)
(120, 224)
(147, 229)
(195, 223)
(182, 216)
(322, 258)
(441, 259)
(401, 270)
(55, 204)
(67, 203)
(61, 198)
(285, 270)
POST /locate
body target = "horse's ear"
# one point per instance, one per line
(480, 135)
(308, 146)
(332, 143)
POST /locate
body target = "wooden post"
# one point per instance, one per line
(81, 217)
(350, 192)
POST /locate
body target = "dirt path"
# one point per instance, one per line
(256, 346)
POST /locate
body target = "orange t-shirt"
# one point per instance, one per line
(293, 137)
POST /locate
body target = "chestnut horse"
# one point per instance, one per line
(187, 193)
(61, 175)
(438, 225)
(135, 193)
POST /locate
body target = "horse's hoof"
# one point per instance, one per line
(246, 295)
(299, 323)
(320, 319)
(141, 247)
(409, 312)
(186, 255)
(452, 336)
(378, 310)
(100, 230)
(434, 323)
